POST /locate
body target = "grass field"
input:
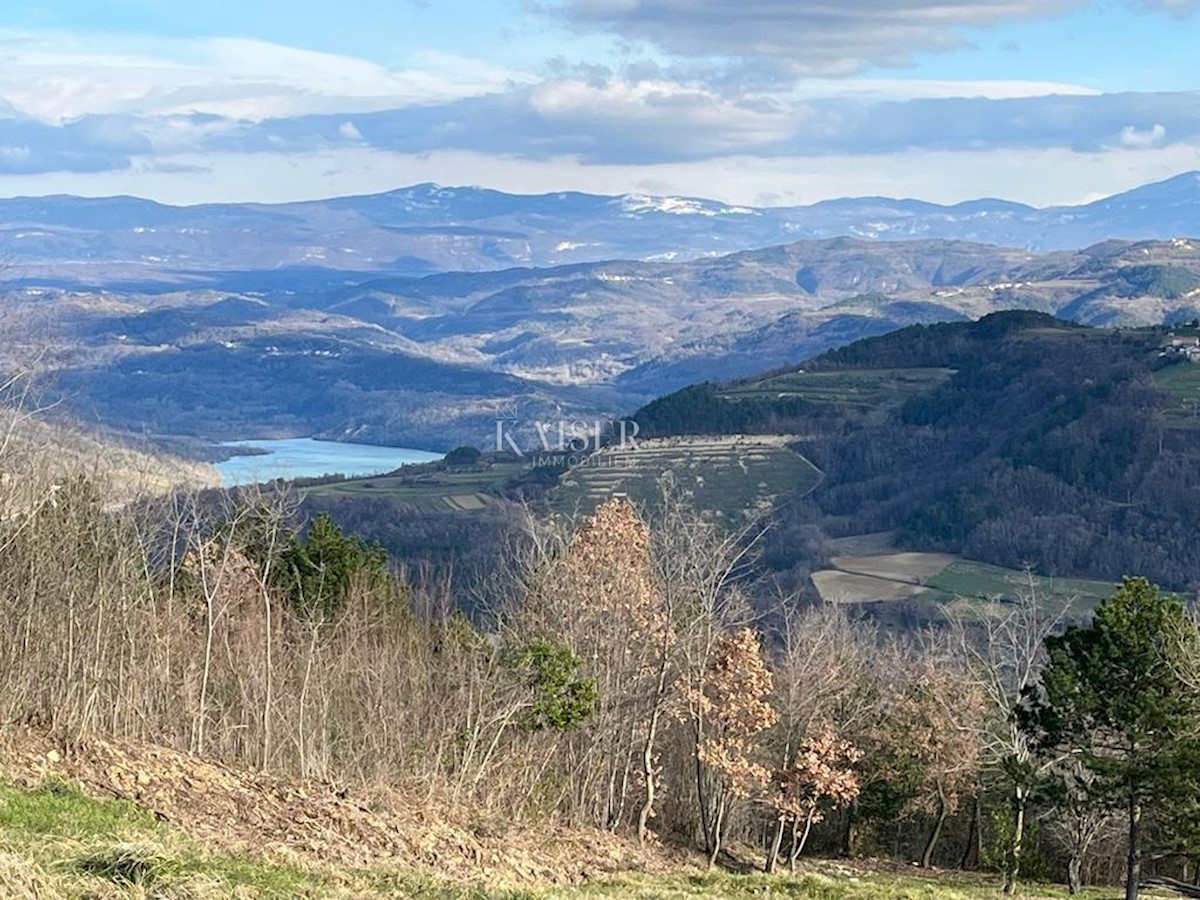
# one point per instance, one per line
(454, 490)
(874, 388)
(817, 882)
(938, 580)
(1181, 382)
(57, 843)
(732, 477)
(964, 578)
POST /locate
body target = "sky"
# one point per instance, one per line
(762, 102)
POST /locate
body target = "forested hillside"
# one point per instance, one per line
(1018, 440)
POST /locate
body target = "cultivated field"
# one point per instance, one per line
(868, 572)
(908, 568)
(965, 578)
(428, 489)
(840, 587)
(873, 388)
(1182, 384)
(730, 476)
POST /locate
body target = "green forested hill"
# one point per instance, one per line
(1018, 439)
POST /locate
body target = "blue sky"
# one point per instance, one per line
(759, 101)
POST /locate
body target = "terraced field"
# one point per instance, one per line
(872, 388)
(430, 490)
(734, 477)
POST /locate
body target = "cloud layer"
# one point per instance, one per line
(809, 37)
(176, 111)
(618, 122)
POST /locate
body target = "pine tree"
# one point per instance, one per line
(1111, 695)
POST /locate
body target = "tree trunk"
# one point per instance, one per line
(927, 856)
(701, 798)
(1133, 864)
(718, 830)
(1074, 874)
(973, 851)
(1012, 858)
(850, 832)
(776, 844)
(798, 842)
(647, 810)
(648, 773)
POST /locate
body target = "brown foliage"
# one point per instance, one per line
(823, 771)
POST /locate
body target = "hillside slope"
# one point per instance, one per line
(1016, 440)
(103, 820)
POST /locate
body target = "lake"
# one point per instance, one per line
(309, 458)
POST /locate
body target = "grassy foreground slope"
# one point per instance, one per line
(56, 841)
(100, 818)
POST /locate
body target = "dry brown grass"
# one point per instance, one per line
(297, 820)
(23, 879)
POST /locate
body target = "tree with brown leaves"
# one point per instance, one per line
(732, 702)
(601, 598)
(822, 773)
(937, 720)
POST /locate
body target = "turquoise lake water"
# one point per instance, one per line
(309, 458)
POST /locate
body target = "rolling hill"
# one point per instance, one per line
(1016, 440)
(124, 242)
(432, 361)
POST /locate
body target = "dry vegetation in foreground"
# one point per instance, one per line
(236, 811)
(242, 706)
(102, 820)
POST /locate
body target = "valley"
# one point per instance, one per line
(433, 362)
(567, 449)
(979, 449)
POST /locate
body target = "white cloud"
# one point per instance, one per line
(932, 89)
(1134, 139)
(1178, 8)
(350, 131)
(55, 77)
(645, 113)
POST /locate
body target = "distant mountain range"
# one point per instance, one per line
(128, 243)
(433, 361)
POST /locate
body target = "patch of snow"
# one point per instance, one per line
(679, 206)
